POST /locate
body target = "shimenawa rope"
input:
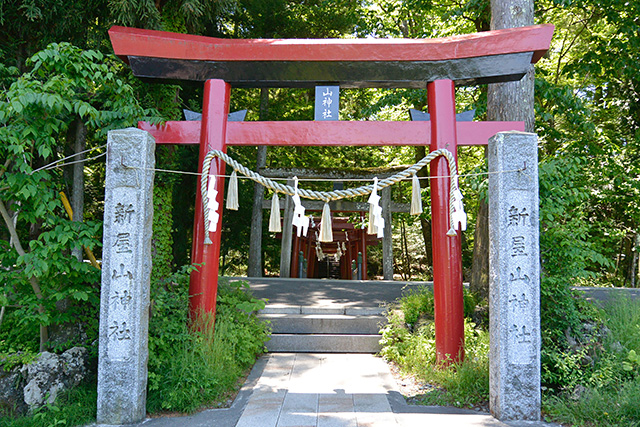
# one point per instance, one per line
(328, 196)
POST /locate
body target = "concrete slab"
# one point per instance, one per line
(365, 311)
(281, 309)
(351, 390)
(328, 343)
(336, 410)
(328, 293)
(299, 410)
(323, 324)
(337, 420)
(337, 309)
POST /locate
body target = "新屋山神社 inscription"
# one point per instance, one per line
(518, 227)
(123, 222)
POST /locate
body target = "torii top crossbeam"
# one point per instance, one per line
(487, 57)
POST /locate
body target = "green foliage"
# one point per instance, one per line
(28, 26)
(193, 365)
(417, 303)
(594, 385)
(624, 338)
(12, 359)
(462, 384)
(632, 362)
(64, 84)
(162, 241)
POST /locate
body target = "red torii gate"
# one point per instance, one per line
(437, 64)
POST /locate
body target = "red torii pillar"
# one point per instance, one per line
(447, 255)
(203, 284)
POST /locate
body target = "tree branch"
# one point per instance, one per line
(12, 229)
(44, 333)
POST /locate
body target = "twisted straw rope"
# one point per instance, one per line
(325, 196)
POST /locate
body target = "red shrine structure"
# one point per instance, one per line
(435, 64)
(335, 259)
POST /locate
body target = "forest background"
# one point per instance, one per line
(63, 90)
(586, 104)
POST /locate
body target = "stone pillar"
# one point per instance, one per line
(387, 241)
(287, 235)
(126, 270)
(254, 267)
(514, 277)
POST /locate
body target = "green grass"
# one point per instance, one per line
(205, 369)
(610, 393)
(73, 408)
(595, 407)
(623, 320)
(191, 367)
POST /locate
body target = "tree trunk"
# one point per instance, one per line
(77, 191)
(405, 251)
(628, 264)
(634, 262)
(479, 283)
(254, 268)
(512, 101)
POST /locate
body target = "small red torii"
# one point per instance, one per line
(435, 64)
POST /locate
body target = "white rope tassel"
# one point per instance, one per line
(214, 216)
(416, 197)
(319, 254)
(376, 221)
(274, 218)
(232, 196)
(371, 228)
(326, 230)
(299, 219)
(456, 209)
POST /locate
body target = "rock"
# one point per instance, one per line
(616, 347)
(578, 392)
(67, 334)
(50, 374)
(571, 341)
(11, 397)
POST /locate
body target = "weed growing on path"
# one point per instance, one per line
(592, 378)
(409, 341)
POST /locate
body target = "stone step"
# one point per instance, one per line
(325, 343)
(328, 329)
(324, 323)
(346, 310)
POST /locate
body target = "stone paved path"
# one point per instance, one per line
(346, 390)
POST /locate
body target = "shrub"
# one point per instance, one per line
(194, 365)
